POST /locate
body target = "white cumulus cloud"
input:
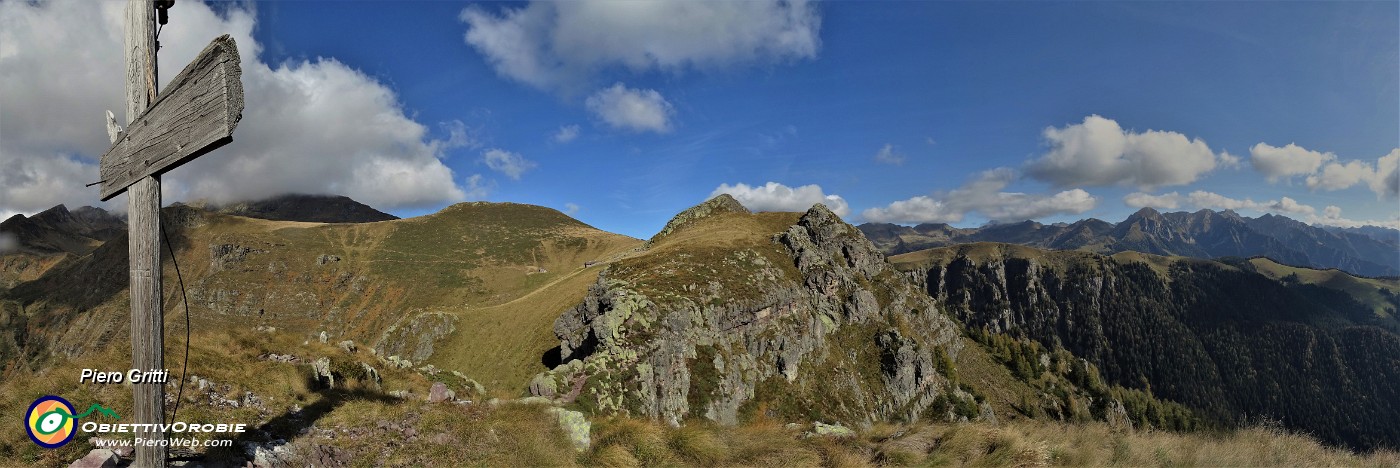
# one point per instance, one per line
(1230, 161)
(478, 188)
(982, 195)
(1166, 201)
(309, 126)
(889, 155)
(1098, 152)
(1211, 200)
(1332, 216)
(566, 134)
(1325, 171)
(774, 196)
(513, 165)
(1383, 178)
(1290, 160)
(1337, 176)
(1387, 179)
(639, 110)
(555, 45)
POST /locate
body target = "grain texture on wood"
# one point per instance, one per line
(193, 116)
(143, 218)
(147, 317)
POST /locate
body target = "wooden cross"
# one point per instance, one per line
(194, 116)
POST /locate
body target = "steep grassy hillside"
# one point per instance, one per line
(403, 287)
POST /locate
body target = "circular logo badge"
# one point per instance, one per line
(50, 421)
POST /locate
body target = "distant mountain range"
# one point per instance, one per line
(1368, 251)
(59, 230)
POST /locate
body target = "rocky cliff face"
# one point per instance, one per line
(1223, 341)
(807, 322)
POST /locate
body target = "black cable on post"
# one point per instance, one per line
(184, 368)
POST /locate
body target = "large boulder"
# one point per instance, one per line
(97, 458)
(439, 393)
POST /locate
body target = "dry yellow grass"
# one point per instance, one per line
(352, 421)
(501, 346)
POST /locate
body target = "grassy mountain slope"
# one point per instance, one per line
(400, 286)
(1380, 294)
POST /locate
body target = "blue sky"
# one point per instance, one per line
(908, 112)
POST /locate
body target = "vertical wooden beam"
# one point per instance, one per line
(143, 218)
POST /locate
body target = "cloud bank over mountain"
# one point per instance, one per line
(317, 126)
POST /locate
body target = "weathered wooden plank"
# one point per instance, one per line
(194, 116)
(143, 218)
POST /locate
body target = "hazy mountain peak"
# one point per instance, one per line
(307, 208)
(1146, 212)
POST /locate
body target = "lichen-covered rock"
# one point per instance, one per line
(372, 375)
(414, 335)
(476, 388)
(225, 256)
(576, 426)
(1117, 416)
(812, 322)
(321, 371)
(821, 429)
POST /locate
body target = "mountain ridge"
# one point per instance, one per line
(1201, 234)
(1318, 350)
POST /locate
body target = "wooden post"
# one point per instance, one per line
(196, 115)
(143, 213)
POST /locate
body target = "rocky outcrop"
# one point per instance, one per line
(414, 336)
(832, 332)
(225, 256)
(1221, 340)
(720, 204)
